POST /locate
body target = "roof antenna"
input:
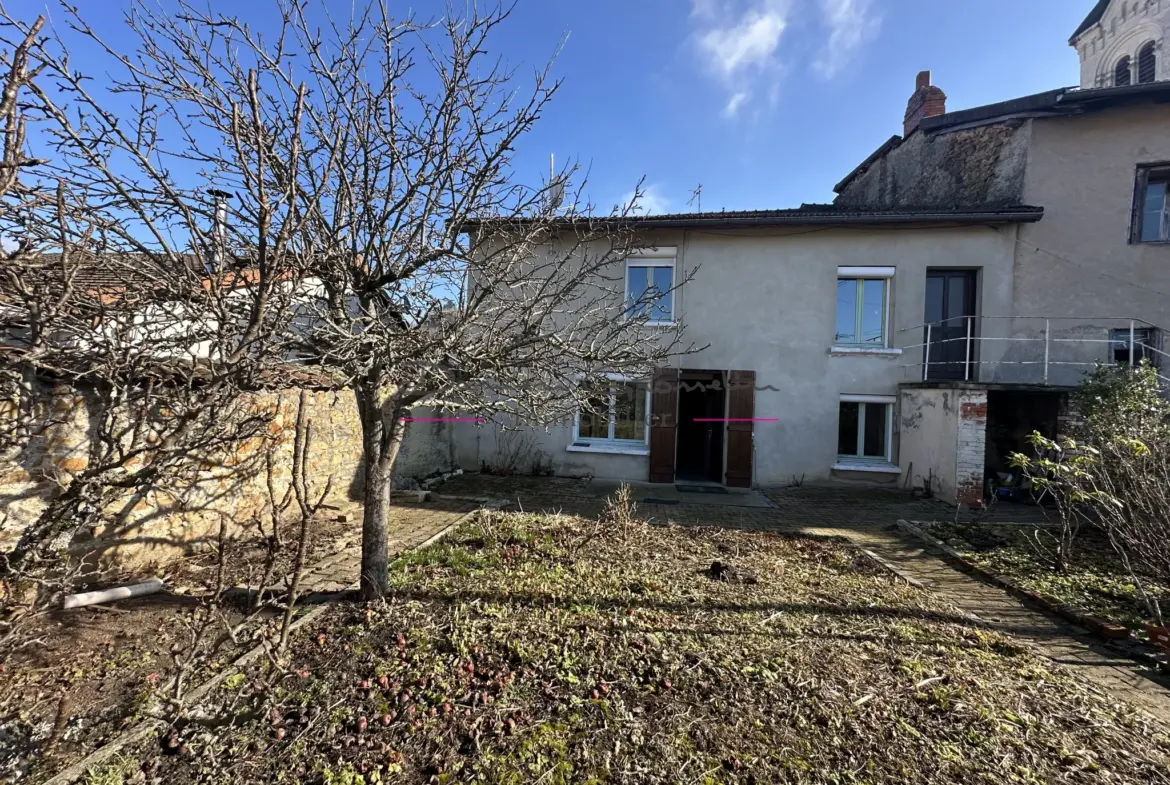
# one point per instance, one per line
(556, 187)
(697, 198)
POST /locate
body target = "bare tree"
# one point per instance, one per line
(1114, 476)
(371, 159)
(111, 321)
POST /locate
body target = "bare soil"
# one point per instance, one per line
(101, 668)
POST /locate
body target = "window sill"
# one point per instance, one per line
(851, 351)
(609, 449)
(873, 468)
(656, 324)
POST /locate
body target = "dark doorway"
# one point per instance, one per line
(1012, 416)
(950, 308)
(701, 396)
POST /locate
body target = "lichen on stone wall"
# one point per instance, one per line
(982, 166)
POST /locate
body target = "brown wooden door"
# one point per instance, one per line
(663, 417)
(741, 406)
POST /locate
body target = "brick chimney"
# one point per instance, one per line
(927, 101)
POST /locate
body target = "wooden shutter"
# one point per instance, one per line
(741, 405)
(663, 416)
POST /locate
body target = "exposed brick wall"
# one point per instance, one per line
(971, 447)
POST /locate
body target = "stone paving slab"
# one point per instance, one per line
(411, 524)
(868, 518)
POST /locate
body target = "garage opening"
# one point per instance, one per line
(1012, 415)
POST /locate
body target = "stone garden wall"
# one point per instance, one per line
(230, 493)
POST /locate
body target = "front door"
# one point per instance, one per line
(950, 311)
(701, 422)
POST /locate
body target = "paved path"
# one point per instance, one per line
(869, 518)
(411, 524)
(1058, 640)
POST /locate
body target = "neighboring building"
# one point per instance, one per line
(961, 318)
(1121, 42)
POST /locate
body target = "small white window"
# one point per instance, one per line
(862, 306)
(650, 286)
(618, 417)
(865, 429)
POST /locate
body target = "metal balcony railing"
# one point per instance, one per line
(1032, 349)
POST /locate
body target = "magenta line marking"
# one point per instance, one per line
(746, 419)
(443, 419)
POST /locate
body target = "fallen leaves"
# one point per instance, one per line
(512, 654)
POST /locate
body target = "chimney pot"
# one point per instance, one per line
(923, 80)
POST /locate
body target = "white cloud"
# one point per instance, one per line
(652, 201)
(734, 103)
(850, 24)
(739, 43)
(749, 45)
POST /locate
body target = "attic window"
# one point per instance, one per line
(1147, 64)
(1121, 74)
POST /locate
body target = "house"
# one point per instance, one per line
(967, 275)
(1088, 282)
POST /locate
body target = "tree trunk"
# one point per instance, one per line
(375, 530)
(382, 438)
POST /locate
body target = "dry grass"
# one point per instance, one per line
(529, 649)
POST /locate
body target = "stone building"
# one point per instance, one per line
(1122, 42)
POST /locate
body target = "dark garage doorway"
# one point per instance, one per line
(1012, 415)
(699, 457)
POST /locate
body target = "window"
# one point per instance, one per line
(864, 429)
(618, 417)
(1151, 214)
(1121, 74)
(650, 285)
(1145, 342)
(1147, 64)
(862, 304)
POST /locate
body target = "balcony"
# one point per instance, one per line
(1028, 350)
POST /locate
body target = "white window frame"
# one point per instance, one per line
(666, 256)
(610, 444)
(860, 461)
(884, 274)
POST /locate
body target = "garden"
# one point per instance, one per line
(555, 649)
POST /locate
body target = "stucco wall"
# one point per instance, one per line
(944, 438)
(766, 301)
(1077, 263)
(182, 514)
(928, 422)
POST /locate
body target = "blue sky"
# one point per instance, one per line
(766, 103)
